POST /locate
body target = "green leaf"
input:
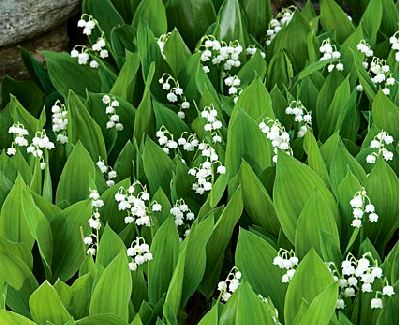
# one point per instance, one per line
(371, 20)
(81, 293)
(386, 115)
(244, 307)
(255, 67)
(382, 186)
(390, 17)
(246, 141)
(153, 12)
(11, 318)
(322, 308)
(314, 219)
(303, 287)
(258, 15)
(191, 16)
(21, 115)
(176, 52)
(102, 319)
(158, 167)
(333, 17)
(257, 202)
(84, 78)
(211, 318)
(290, 178)
(110, 246)
(83, 128)
(121, 43)
(20, 250)
(165, 249)
(218, 242)
(125, 162)
(69, 250)
(46, 305)
(169, 119)
(113, 290)
(254, 264)
(26, 91)
(231, 24)
(256, 101)
(79, 166)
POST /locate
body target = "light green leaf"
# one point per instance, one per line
(102, 319)
(290, 178)
(46, 305)
(82, 127)
(386, 115)
(255, 264)
(165, 249)
(11, 318)
(258, 14)
(176, 52)
(80, 167)
(303, 287)
(153, 12)
(81, 293)
(113, 290)
(110, 246)
(255, 67)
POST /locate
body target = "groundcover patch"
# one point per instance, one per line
(205, 162)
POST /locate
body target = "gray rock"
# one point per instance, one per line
(23, 19)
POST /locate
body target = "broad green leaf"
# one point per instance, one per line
(371, 20)
(386, 115)
(69, 250)
(124, 165)
(121, 43)
(382, 186)
(256, 101)
(295, 47)
(113, 290)
(84, 78)
(80, 167)
(82, 127)
(314, 157)
(169, 119)
(390, 17)
(176, 52)
(294, 184)
(254, 264)
(258, 14)
(65, 293)
(158, 167)
(102, 319)
(219, 240)
(153, 12)
(245, 307)
(257, 202)
(81, 293)
(20, 280)
(21, 115)
(314, 219)
(12, 318)
(45, 305)
(333, 17)
(165, 249)
(17, 165)
(231, 24)
(246, 141)
(322, 308)
(19, 250)
(110, 246)
(255, 67)
(193, 17)
(211, 318)
(127, 78)
(304, 287)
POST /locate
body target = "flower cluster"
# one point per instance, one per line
(301, 115)
(108, 172)
(365, 48)
(220, 53)
(330, 51)
(252, 49)
(282, 19)
(380, 75)
(40, 142)
(233, 82)
(379, 142)
(113, 117)
(174, 92)
(394, 41)
(286, 260)
(161, 42)
(188, 141)
(358, 275)
(181, 211)
(279, 137)
(19, 140)
(205, 172)
(139, 252)
(60, 121)
(94, 222)
(229, 286)
(135, 200)
(84, 55)
(212, 125)
(361, 205)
